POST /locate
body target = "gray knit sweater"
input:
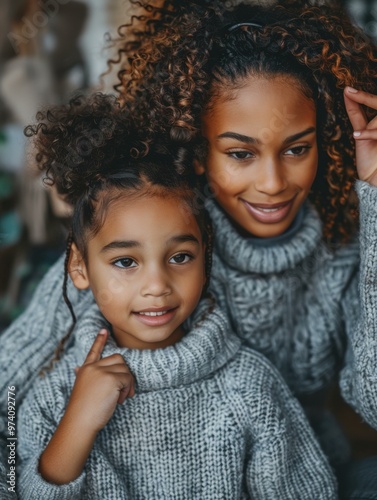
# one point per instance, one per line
(210, 420)
(304, 306)
(286, 300)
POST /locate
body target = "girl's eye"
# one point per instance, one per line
(297, 150)
(240, 155)
(125, 263)
(180, 258)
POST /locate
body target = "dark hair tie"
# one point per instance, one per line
(234, 27)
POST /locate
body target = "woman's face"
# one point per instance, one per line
(263, 156)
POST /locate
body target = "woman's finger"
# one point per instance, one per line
(96, 350)
(361, 97)
(354, 110)
(365, 135)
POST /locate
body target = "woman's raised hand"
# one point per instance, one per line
(100, 384)
(365, 132)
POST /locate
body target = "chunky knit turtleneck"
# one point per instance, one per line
(242, 254)
(210, 420)
(285, 300)
(209, 346)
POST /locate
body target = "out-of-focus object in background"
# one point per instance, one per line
(364, 13)
(41, 64)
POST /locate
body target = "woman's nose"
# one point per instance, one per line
(271, 178)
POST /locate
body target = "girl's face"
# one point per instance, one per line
(145, 269)
(263, 153)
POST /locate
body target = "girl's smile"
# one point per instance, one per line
(262, 153)
(156, 317)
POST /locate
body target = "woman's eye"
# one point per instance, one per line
(240, 155)
(125, 263)
(180, 258)
(297, 150)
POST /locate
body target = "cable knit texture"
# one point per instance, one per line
(210, 420)
(359, 377)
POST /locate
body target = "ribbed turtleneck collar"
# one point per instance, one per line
(207, 346)
(240, 253)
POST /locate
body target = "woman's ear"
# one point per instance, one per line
(199, 167)
(77, 269)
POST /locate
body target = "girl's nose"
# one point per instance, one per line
(271, 178)
(156, 284)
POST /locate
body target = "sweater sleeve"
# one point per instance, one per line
(358, 379)
(284, 459)
(39, 416)
(31, 340)
(7, 489)
(29, 343)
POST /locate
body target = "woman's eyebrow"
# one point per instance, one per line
(252, 140)
(238, 137)
(295, 137)
(120, 244)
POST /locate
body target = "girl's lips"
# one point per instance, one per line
(155, 317)
(269, 214)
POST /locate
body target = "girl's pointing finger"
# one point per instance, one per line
(97, 347)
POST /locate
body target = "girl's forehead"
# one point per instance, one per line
(148, 216)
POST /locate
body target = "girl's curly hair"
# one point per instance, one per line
(91, 150)
(188, 57)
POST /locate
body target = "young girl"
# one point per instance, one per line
(207, 418)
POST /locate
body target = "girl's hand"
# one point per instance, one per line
(365, 133)
(100, 385)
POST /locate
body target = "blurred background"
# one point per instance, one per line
(48, 50)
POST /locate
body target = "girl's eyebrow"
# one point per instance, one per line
(252, 140)
(120, 244)
(183, 238)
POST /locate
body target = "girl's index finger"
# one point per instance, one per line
(97, 347)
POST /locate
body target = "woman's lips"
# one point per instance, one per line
(269, 214)
(158, 317)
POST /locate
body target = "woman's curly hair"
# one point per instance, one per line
(188, 56)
